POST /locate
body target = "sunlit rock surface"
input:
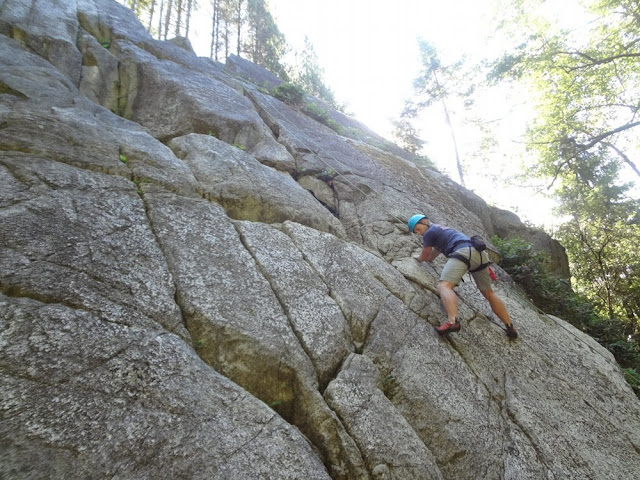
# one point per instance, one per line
(198, 281)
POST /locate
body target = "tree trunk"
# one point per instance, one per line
(186, 28)
(179, 19)
(227, 44)
(239, 18)
(453, 135)
(214, 31)
(151, 11)
(160, 19)
(168, 19)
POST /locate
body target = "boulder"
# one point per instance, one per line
(247, 189)
(508, 225)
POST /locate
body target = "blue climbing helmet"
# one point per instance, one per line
(414, 220)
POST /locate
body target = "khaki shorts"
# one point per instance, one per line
(455, 269)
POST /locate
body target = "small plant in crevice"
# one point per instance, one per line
(322, 115)
(289, 93)
(388, 380)
(123, 158)
(264, 88)
(294, 95)
(327, 175)
(139, 182)
(389, 386)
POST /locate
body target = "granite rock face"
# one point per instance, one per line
(199, 281)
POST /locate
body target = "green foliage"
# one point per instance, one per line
(407, 135)
(556, 297)
(602, 235)
(317, 113)
(264, 45)
(353, 132)
(289, 93)
(389, 386)
(139, 181)
(322, 116)
(307, 72)
(586, 87)
(327, 175)
(529, 269)
(123, 158)
(243, 27)
(424, 161)
(604, 259)
(294, 95)
(633, 378)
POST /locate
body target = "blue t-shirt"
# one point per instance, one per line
(447, 240)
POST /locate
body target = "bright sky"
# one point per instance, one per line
(369, 48)
(369, 52)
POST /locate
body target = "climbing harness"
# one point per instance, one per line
(467, 261)
(476, 242)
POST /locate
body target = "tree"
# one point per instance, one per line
(585, 136)
(265, 45)
(223, 21)
(179, 6)
(602, 236)
(405, 131)
(307, 72)
(176, 13)
(152, 9)
(240, 15)
(588, 89)
(191, 5)
(160, 17)
(436, 83)
(167, 21)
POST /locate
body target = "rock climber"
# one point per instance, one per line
(462, 257)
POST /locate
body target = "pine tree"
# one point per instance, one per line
(265, 44)
(309, 74)
(435, 84)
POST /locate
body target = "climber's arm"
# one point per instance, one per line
(428, 254)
